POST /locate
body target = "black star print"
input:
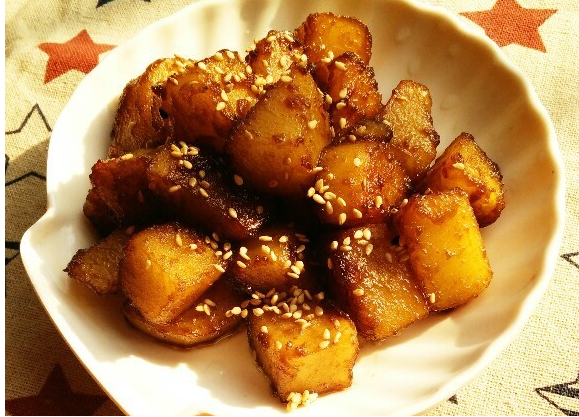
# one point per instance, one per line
(35, 108)
(453, 399)
(56, 399)
(568, 257)
(564, 397)
(103, 2)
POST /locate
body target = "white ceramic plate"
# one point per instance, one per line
(474, 89)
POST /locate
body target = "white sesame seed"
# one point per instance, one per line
(278, 345)
(220, 106)
(404, 202)
(340, 65)
(283, 239)
(258, 311)
(297, 314)
(187, 164)
(378, 200)
(352, 138)
(328, 99)
(265, 238)
(341, 201)
(459, 166)
(230, 54)
(227, 255)
(265, 249)
(340, 105)
(287, 264)
(286, 79)
(232, 212)
(147, 263)
(312, 124)
(300, 249)
(334, 245)
(178, 240)
(244, 313)
(295, 269)
(318, 311)
(342, 218)
(357, 213)
(241, 264)
(174, 188)
(369, 249)
(318, 199)
(219, 268)
(362, 242)
(199, 307)
(357, 162)
(203, 192)
(337, 337)
(343, 93)
(345, 248)
(367, 234)
(264, 329)
(204, 184)
(320, 296)
(218, 56)
(324, 344)
(192, 182)
(327, 335)
(358, 292)
(215, 236)
(311, 192)
(202, 65)
(269, 79)
(388, 257)
(193, 246)
(432, 298)
(329, 208)
(293, 275)
(126, 156)
(236, 311)
(317, 169)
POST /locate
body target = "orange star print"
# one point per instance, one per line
(79, 53)
(510, 23)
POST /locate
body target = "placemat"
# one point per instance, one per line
(49, 48)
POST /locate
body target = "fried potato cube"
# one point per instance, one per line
(466, 166)
(202, 323)
(199, 190)
(277, 146)
(273, 56)
(205, 100)
(325, 36)
(414, 139)
(371, 282)
(371, 131)
(272, 260)
(120, 194)
(97, 267)
(317, 356)
(354, 93)
(359, 184)
(446, 250)
(166, 268)
(138, 123)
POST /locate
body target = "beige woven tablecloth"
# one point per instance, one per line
(51, 45)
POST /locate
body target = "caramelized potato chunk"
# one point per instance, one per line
(414, 139)
(165, 269)
(198, 190)
(138, 123)
(205, 100)
(466, 166)
(120, 194)
(354, 93)
(326, 35)
(371, 131)
(446, 250)
(273, 56)
(202, 323)
(277, 145)
(98, 266)
(372, 283)
(360, 184)
(318, 356)
(271, 260)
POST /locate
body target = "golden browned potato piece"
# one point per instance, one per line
(120, 194)
(276, 147)
(466, 166)
(325, 36)
(199, 190)
(273, 56)
(137, 123)
(354, 93)
(202, 323)
(371, 281)
(360, 183)
(446, 250)
(205, 100)
(166, 268)
(371, 131)
(272, 260)
(316, 353)
(414, 139)
(98, 266)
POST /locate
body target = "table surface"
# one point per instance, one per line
(50, 46)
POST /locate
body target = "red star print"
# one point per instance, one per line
(507, 23)
(56, 399)
(79, 53)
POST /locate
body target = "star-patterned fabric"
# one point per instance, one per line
(50, 46)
